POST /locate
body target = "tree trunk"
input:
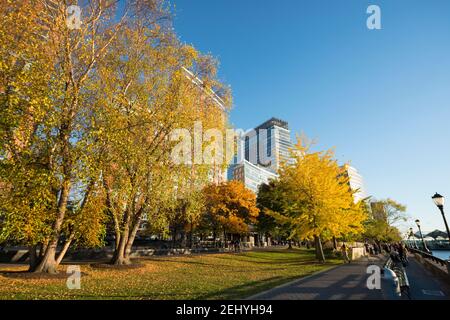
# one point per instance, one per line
(319, 250)
(174, 236)
(119, 257)
(134, 231)
(225, 244)
(191, 236)
(183, 239)
(64, 250)
(290, 244)
(48, 262)
(335, 246)
(33, 258)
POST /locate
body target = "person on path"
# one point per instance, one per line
(403, 253)
(345, 253)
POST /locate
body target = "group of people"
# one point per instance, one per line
(373, 248)
(397, 251)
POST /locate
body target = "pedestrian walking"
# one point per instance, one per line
(345, 253)
(403, 253)
(368, 248)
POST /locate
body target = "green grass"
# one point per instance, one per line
(215, 276)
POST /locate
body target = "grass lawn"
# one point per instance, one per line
(214, 276)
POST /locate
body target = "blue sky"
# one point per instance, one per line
(380, 97)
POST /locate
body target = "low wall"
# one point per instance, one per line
(438, 270)
(357, 253)
(13, 255)
(19, 255)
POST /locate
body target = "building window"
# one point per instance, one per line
(247, 148)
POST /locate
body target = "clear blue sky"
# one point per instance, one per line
(381, 98)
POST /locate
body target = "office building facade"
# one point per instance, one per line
(356, 183)
(261, 152)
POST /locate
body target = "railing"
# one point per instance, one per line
(429, 257)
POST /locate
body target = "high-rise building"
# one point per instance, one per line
(356, 182)
(268, 144)
(251, 175)
(261, 152)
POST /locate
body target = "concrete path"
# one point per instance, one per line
(424, 285)
(349, 282)
(346, 282)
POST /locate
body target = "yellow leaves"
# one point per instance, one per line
(317, 198)
(212, 276)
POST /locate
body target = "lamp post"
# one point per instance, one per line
(421, 236)
(439, 202)
(411, 234)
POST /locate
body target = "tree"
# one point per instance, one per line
(230, 207)
(383, 215)
(316, 200)
(270, 199)
(45, 119)
(147, 95)
(85, 120)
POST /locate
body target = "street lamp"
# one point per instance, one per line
(439, 201)
(421, 236)
(411, 234)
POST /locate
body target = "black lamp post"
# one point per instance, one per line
(411, 234)
(439, 201)
(421, 236)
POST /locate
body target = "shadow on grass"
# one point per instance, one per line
(248, 289)
(236, 259)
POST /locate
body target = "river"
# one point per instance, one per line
(442, 254)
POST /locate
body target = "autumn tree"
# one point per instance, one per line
(383, 215)
(316, 200)
(45, 118)
(150, 86)
(85, 120)
(231, 207)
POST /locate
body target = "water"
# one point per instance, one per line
(442, 254)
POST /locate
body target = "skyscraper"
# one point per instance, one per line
(268, 144)
(261, 152)
(356, 182)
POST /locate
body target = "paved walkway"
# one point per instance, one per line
(349, 282)
(424, 285)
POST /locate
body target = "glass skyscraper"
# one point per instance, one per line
(262, 151)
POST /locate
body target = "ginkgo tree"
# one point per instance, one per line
(315, 202)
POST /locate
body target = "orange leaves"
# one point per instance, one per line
(231, 205)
